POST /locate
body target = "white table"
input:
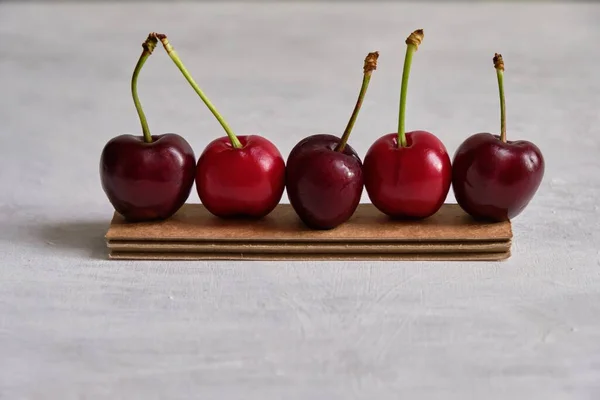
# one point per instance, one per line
(74, 325)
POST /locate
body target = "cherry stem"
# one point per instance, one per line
(412, 44)
(499, 65)
(235, 142)
(148, 47)
(369, 67)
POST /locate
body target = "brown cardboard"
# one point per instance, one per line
(194, 234)
(311, 257)
(194, 222)
(307, 247)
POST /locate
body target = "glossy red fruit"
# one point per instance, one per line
(235, 176)
(324, 177)
(240, 182)
(496, 180)
(147, 181)
(407, 174)
(411, 181)
(324, 186)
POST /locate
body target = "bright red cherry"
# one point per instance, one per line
(240, 182)
(409, 181)
(235, 177)
(407, 174)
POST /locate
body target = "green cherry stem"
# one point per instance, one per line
(235, 142)
(369, 67)
(148, 47)
(499, 65)
(412, 44)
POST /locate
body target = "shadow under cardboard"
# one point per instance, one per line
(84, 238)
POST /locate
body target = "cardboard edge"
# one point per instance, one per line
(312, 248)
(309, 257)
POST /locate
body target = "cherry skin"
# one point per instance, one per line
(496, 180)
(235, 176)
(324, 177)
(324, 186)
(147, 181)
(411, 181)
(240, 182)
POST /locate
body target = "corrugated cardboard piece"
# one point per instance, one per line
(195, 234)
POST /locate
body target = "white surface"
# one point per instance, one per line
(74, 325)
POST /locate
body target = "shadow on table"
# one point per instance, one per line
(85, 238)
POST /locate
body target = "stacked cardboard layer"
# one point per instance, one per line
(195, 234)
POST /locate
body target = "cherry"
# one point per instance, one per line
(235, 176)
(146, 177)
(324, 178)
(407, 174)
(492, 178)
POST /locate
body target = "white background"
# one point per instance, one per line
(74, 325)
